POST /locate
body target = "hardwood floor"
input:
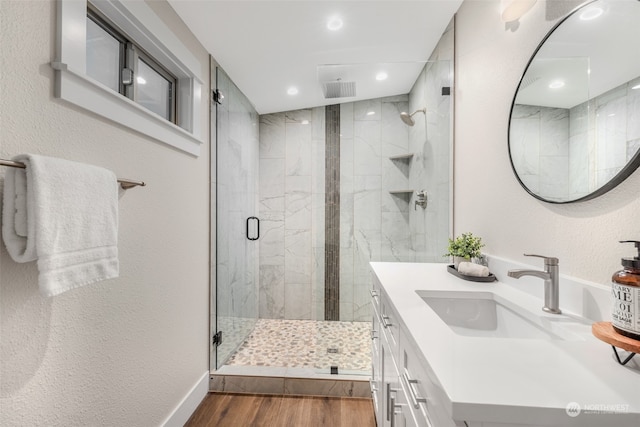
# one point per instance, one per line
(240, 410)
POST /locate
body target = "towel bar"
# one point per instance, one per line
(124, 183)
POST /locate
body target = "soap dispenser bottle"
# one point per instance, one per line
(626, 296)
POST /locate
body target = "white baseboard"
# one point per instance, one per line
(187, 406)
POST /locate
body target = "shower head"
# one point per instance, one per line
(408, 118)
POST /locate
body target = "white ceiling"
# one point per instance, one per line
(590, 56)
(269, 46)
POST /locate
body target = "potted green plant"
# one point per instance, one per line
(464, 247)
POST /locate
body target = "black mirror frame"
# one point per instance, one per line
(626, 171)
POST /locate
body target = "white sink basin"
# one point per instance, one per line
(485, 314)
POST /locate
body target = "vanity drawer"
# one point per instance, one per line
(425, 398)
(375, 292)
(390, 325)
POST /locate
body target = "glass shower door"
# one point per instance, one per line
(236, 207)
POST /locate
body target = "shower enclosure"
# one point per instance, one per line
(304, 201)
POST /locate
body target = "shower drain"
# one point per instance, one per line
(332, 350)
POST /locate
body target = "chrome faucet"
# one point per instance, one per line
(550, 275)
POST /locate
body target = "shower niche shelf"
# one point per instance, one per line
(402, 157)
(401, 192)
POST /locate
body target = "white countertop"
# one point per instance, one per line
(508, 380)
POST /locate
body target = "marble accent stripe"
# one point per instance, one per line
(332, 213)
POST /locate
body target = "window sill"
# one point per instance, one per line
(87, 93)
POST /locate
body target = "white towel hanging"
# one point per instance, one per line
(63, 214)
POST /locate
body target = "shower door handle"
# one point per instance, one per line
(254, 218)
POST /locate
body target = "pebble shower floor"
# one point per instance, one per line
(307, 344)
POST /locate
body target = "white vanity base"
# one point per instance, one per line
(485, 381)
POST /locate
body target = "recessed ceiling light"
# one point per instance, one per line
(636, 87)
(381, 76)
(556, 84)
(591, 13)
(305, 122)
(371, 113)
(334, 23)
(141, 80)
(292, 90)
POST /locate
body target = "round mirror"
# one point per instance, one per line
(574, 129)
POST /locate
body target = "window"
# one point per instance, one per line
(119, 60)
(122, 66)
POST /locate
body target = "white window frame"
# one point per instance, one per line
(143, 26)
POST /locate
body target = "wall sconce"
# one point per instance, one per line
(512, 10)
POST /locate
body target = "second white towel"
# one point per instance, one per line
(472, 269)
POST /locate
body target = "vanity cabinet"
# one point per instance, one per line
(425, 398)
(400, 383)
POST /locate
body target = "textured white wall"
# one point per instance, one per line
(122, 352)
(490, 60)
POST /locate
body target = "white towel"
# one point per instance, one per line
(64, 215)
(471, 269)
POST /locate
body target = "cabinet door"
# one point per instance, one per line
(425, 397)
(396, 411)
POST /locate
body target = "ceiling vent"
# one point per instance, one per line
(338, 89)
(337, 80)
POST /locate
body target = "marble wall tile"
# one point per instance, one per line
(367, 249)
(272, 135)
(246, 384)
(394, 133)
(366, 202)
(632, 148)
(362, 110)
(396, 238)
(298, 116)
(346, 311)
(346, 220)
(613, 95)
(554, 132)
(346, 280)
(318, 150)
(297, 301)
(317, 387)
(271, 298)
(578, 173)
(346, 165)
(362, 301)
(298, 203)
(317, 219)
(579, 119)
(366, 148)
(633, 110)
(524, 143)
(521, 111)
(298, 149)
(611, 123)
(297, 257)
(346, 121)
(271, 238)
(395, 98)
(554, 177)
(271, 186)
(317, 283)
